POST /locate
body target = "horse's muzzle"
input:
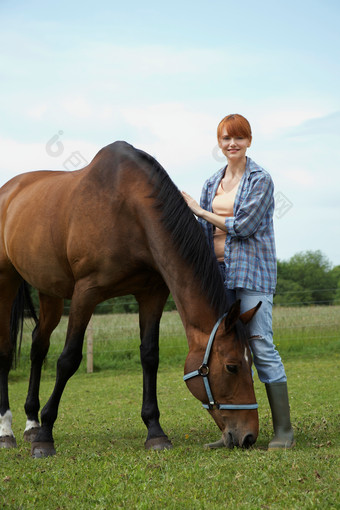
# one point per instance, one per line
(232, 439)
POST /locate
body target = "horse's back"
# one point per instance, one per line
(59, 226)
(37, 196)
(47, 186)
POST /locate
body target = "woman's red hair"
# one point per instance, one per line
(236, 125)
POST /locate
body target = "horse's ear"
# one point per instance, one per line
(247, 316)
(233, 316)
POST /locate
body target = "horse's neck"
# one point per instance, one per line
(197, 315)
(195, 311)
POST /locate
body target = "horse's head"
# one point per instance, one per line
(219, 375)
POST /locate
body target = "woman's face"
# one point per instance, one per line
(233, 147)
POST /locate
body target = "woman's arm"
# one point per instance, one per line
(253, 209)
(214, 219)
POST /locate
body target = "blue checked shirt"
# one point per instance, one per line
(249, 251)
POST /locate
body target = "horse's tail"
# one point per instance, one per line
(22, 302)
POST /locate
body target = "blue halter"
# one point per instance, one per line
(204, 371)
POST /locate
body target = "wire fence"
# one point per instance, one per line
(329, 296)
(128, 304)
(113, 336)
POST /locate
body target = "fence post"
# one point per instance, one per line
(89, 349)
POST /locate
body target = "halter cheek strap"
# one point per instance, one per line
(203, 371)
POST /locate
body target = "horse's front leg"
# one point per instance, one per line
(150, 311)
(49, 316)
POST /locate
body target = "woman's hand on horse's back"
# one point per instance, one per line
(194, 206)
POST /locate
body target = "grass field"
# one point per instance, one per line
(101, 462)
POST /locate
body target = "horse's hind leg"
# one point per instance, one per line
(49, 316)
(150, 311)
(7, 294)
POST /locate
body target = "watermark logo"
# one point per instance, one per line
(74, 161)
(282, 204)
(217, 154)
(55, 148)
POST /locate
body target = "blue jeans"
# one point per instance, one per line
(267, 360)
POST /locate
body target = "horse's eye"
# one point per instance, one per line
(232, 369)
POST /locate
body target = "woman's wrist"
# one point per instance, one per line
(214, 219)
(204, 214)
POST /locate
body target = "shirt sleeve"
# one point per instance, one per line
(204, 196)
(253, 208)
(204, 205)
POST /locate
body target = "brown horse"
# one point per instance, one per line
(118, 226)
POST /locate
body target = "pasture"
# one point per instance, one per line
(101, 462)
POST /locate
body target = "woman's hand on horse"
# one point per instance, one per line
(194, 206)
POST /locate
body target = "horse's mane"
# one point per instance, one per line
(185, 231)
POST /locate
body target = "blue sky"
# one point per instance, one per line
(75, 76)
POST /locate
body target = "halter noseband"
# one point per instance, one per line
(204, 371)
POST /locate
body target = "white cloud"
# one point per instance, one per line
(18, 157)
(77, 106)
(297, 175)
(319, 126)
(174, 134)
(280, 120)
(36, 111)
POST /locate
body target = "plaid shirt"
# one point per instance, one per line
(249, 251)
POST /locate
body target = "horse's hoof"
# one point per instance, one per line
(31, 434)
(41, 449)
(214, 446)
(8, 442)
(158, 443)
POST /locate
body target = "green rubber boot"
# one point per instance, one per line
(214, 446)
(277, 394)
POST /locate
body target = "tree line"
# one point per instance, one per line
(306, 278)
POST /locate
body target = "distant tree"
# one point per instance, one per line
(337, 295)
(291, 293)
(336, 275)
(308, 275)
(123, 304)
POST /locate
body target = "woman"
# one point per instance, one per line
(236, 214)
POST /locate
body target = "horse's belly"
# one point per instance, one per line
(49, 282)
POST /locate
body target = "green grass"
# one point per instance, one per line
(101, 462)
(99, 435)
